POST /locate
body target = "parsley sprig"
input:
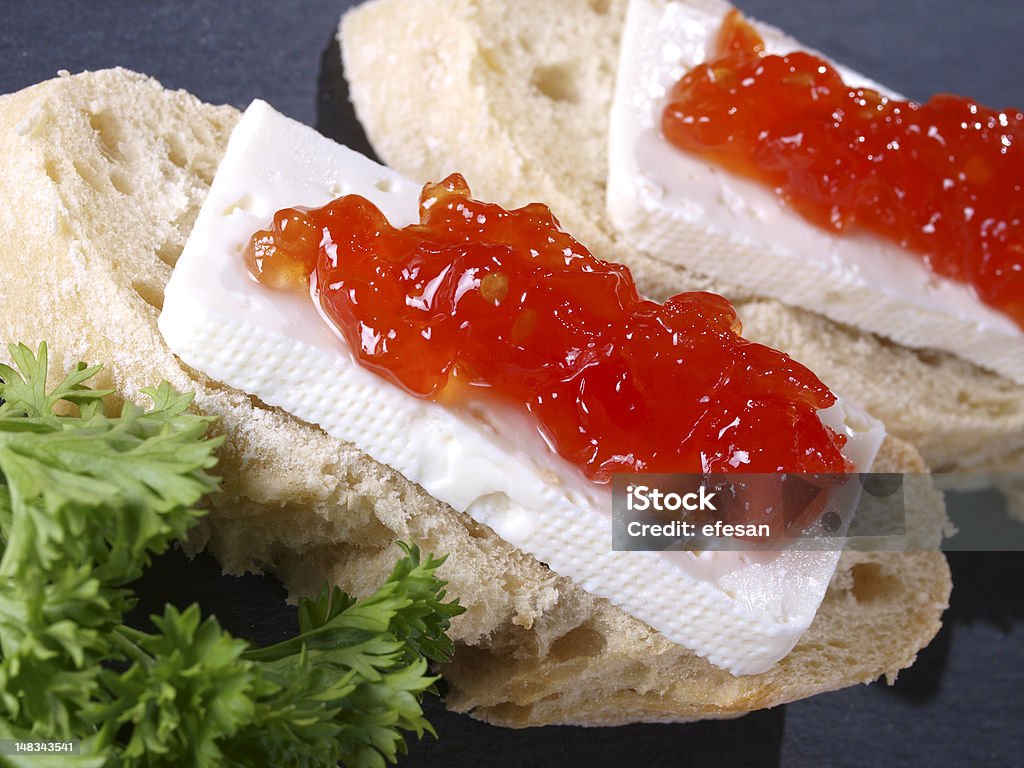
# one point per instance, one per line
(86, 500)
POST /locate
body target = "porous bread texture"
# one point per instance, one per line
(518, 101)
(609, 669)
(580, 660)
(102, 177)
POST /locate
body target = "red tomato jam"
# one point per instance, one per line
(943, 179)
(476, 296)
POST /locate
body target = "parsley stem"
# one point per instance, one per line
(129, 647)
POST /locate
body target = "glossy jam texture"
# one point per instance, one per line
(943, 179)
(475, 296)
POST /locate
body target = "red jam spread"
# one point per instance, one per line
(943, 179)
(476, 296)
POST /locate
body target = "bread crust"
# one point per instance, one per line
(103, 175)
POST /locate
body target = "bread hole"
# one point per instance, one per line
(491, 60)
(581, 642)
(557, 82)
(205, 171)
(385, 184)
(929, 357)
(122, 183)
(477, 531)
(528, 691)
(89, 175)
(168, 252)
(176, 151)
(149, 293)
(108, 134)
(50, 168)
(871, 582)
(474, 657)
(600, 6)
(508, 713)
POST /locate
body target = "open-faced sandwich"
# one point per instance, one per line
(565, 103)
(117, 172)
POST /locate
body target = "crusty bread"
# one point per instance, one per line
(100, 180)
(515, 94)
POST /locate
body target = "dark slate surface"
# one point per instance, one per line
(962, 704)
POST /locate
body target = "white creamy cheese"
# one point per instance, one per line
(743, 612)
(682, 208)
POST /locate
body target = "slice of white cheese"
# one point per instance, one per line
(682, 208)
(741, 611)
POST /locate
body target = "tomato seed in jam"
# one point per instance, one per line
(476, 296)
(943, 179)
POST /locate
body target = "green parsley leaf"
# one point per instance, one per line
(86, 500)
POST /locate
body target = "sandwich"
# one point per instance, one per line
(109, 172)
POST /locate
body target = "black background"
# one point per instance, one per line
(961, 704)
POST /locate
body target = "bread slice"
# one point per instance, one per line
(101, 178)
(518, 101)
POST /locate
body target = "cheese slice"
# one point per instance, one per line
(682, 208)
(742, 611)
